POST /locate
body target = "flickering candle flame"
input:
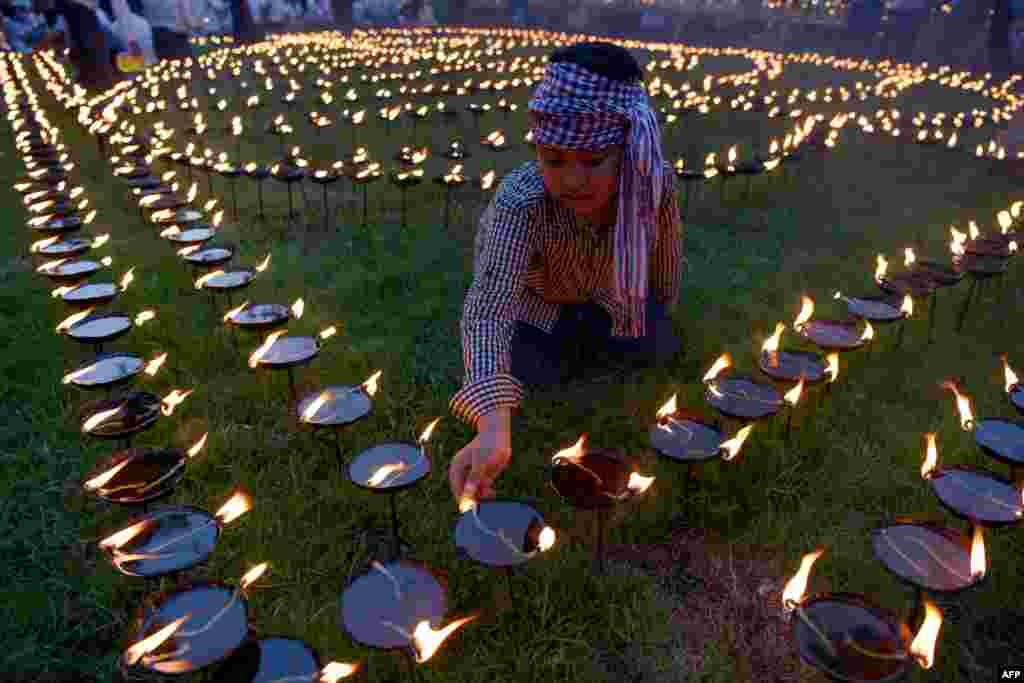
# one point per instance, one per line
(638, 483)
(328, 332)
(153, 366)
(963, 406)
(142, 648)
(217, 218)
(60, 291)
(192, 192)
(973, 230)
(1009, 376)
(771, 345)
(197, 446)
(185, 251)
(572, 454)
(724, 361)
(978, 564)
(173, 400)
(956, 244)
(128, 278)
(384, 472)
(793, 593)
(122, 537)
(909, 257)
(254, 358)
(235, 507)
(806, 311)
(144, 317)
(99, 418)
(73, 319)
(235, 311)
(253, 575)
(102, 479)
(923, 645)
(51, 266)
(426, 641)
(881, 268)
(335, 671)
(907, 308)
(1005, 221)
(42, 244)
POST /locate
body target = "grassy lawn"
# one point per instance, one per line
(396, 295)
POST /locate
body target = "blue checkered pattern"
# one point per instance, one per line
(579, 110)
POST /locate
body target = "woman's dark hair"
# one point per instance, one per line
(604, 59)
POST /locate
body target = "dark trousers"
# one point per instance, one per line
(581, 340)
(169, 44)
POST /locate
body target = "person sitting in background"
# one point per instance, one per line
(172, 24)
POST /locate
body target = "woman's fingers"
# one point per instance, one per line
(457, 472)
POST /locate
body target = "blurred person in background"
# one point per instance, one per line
(904, 23)
(90, 47)
(23, 28)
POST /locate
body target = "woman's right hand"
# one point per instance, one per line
(475, 468)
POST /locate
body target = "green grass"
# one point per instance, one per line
(397, 297)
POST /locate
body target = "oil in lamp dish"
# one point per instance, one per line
(502, 533)
(140, 475)
(831, 335)
(286, 353)
(170, 538)
(389, 468)
(930, 557)
(111, 369)
(69, 272)
(191, 629)
(790, 366)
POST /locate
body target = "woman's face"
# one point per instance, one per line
(583, 181)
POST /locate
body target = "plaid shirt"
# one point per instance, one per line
(531, 256)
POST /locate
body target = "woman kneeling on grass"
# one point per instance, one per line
(579, 253)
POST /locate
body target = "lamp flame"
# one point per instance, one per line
(907, 309)
(923, 645)
(370, 385)
(426, 641)
(669, 408)
(972, 228)
(124, 535)
(638, 483)
(724, 361)
(192, 192)
(335, 671)
(100, 241)
(253, 575)
(173, 400)
(314, 407)
(732, 446)
(100, 480)
(235, 311)
(144, 317)
(254, 358)
(963, 406)
(869, 332)
(60, 291)
(771, 345)
(263, 266)
(73, 319)
(385, 471)
(154, 365)
(128, 278)
(201, 282)
(1005, 221)
(425, 436)
(881, 268)
(573, 453)
(792, 397)
(1009, 376)
(235, 507)
(931, 458)
(197, 446)
(793, 593)
(977, 554)
(909, 257)
(806, 311)
(298, 308)
(140, 649)
(42, 244)
(487, 180)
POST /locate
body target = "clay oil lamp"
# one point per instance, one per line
(111, 369)
(392, 607)
(389, 468)
(91, 294)
(502, 534)
(278, 352)
(972, 494)
(191, 629)
(979, 245)
(593, 480)
(1014, 389)
(170, 539)
(848, 638)
(690, 438)
(1000, 439)
(280, 660)
(740, 397)
(831, 335)
(336, 407)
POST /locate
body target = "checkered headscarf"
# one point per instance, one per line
(579, 110)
